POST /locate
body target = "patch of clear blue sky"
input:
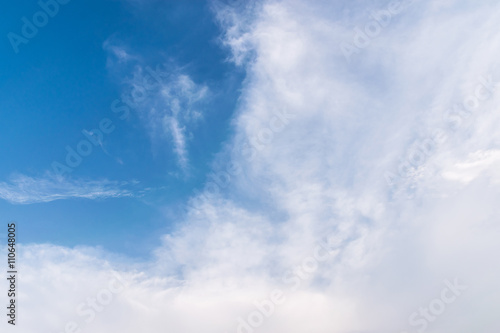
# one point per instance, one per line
(58, 85)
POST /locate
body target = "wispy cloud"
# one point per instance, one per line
(167, 100)
(117, 54)
(172, 110)
(179, 140)
(21, 189)
(478, 164)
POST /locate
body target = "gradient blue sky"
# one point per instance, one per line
(64, 81)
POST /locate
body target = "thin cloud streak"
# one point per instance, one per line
(22, 189)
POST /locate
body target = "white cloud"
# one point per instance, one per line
(179, 139)
(479, 163)
(323, 175)
(169, 103)
(21, 189)
(165, 98)
(117, 54)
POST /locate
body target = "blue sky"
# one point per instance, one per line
(254, 167)
(64, 81)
